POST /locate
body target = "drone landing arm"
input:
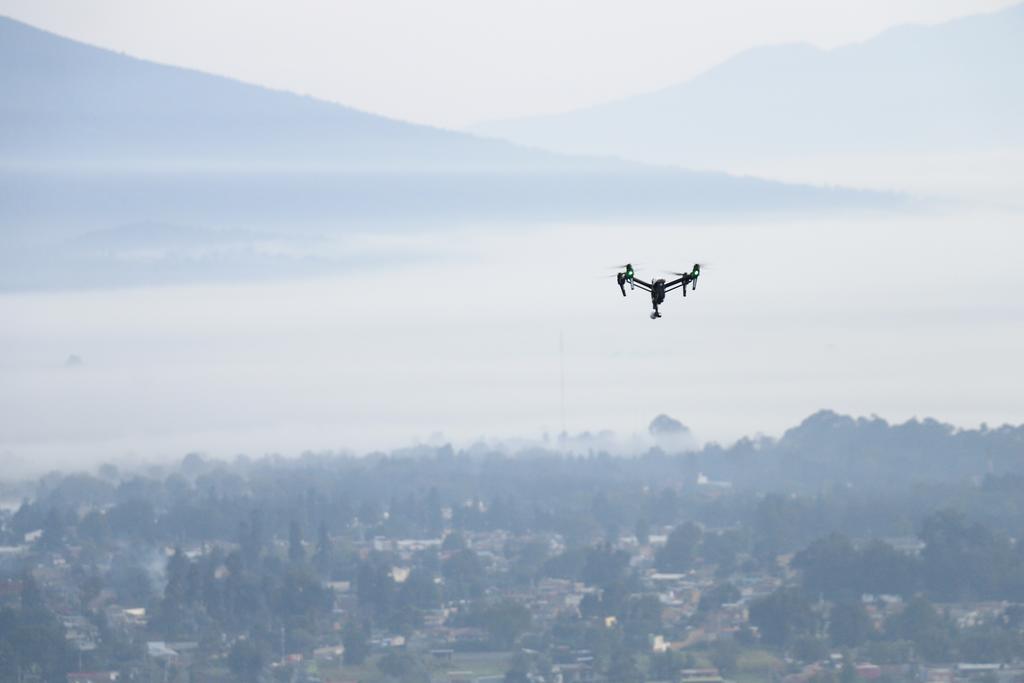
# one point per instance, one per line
(676, 284)
(641, 284)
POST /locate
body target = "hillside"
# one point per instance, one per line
(92, 141)
(913, 89)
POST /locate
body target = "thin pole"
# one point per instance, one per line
(561, 357)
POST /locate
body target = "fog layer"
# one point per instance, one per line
(890, 314)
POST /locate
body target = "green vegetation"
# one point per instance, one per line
(397, 567)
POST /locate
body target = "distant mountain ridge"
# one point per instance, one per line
(911, 88)
(91, 140)
(67, 101)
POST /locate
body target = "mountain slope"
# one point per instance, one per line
(957, 85)
(96, 142)
(66, 103)
(64, 100)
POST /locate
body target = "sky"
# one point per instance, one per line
(861, 313)
(854, 313)
(452, 63)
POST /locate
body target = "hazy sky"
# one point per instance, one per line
(454, 62)
(864, 313)
(858, 314)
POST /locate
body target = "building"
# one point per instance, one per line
(94, 677)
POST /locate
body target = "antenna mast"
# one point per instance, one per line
(561, 358)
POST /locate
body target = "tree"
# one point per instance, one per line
(172, 607)
(590, 606)
(433, 520)
(782, 616)
(519, 668)
(642, 531)
(967, 560)
(505, 621)
(776, 526)
(566, 565)
(32, 639)
(718, 595)
(375, 588)
(848, 674)
(296, 553)
(680, 549)
(192, 464)
(93, 527)
(921, 624)
(809, 649)
(849, 624)
(463, 574)
(643, 612)
(418, 591)
(133, 518)
(109, 471)
(988, 643)
(830, 567)
(53, 531)
(357, 645)
(889, 651)
(324, 551)
(603, 565)
(131, 583)
(885, 570)
(666, 665)
(725, 655)
(453, 542)
(400, 665)
(721, 549)
(302, 594)
(526, 560)
(245, 660)
(251, 536)
(614, 600)
(623, 669)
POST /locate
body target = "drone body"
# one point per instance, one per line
(658, 288)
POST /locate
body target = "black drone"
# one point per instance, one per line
(658, 288)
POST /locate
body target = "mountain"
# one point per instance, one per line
(912, 89)
(70, 105)
(66, 102)
(97, 143)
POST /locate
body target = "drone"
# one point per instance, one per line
(658, 288)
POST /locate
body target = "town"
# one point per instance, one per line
(478, 566)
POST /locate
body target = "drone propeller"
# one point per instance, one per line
(616, 272)
(696, 267)
(689, 278)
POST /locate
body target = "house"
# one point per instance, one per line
(160, 650)
(869, 672)
(938, 675)
(700, 676)
(573, 673)
(330, 653)
(94, 677)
